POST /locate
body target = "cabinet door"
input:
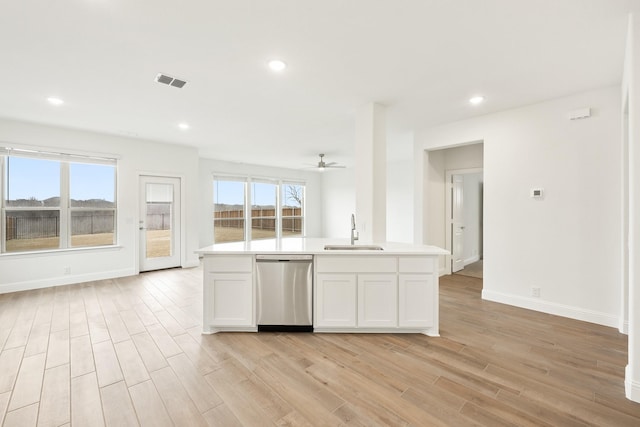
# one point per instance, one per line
(377, 300)
(336, 300)
(231, 299)
(416, 305)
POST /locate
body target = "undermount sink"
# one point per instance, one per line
(353, 248)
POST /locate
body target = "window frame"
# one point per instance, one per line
(65, 209)
(245, 198)
(276, 218)
(72, 209)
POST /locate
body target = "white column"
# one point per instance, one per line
(371, 173)
(632, 69)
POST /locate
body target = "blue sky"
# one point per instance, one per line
(92, 182)
(232, 193)
(41, 179)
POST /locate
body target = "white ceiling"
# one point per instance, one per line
(423, 59)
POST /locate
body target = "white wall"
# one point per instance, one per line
(338, 198)
(400, 188)
(209, 167)
(338, 202)
(29, 271)
(629, 283)
(567, 244)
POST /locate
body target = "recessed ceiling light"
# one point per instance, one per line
(476, 100)
(184, 126)
(55, 101)
(277, 65)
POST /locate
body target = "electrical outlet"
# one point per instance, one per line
(535, 292)
(67, 270)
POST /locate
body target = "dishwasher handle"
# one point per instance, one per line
(283, 258)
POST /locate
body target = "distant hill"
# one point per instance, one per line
(218, 207)
(52, 202)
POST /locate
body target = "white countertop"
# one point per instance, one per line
(315, 246)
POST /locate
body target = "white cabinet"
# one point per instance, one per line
(228, 293)
(335, 300)
(377, 300)
(232, 299)
(376, 293)
(415, 293)
(356, 300)
(352, 293)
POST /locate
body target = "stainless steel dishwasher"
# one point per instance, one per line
(285, 292)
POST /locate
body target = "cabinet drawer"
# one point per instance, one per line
(416, 265)
(229, 263)
(356, 264)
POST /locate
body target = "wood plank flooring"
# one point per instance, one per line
(129, 352)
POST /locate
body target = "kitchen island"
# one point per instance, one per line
(394, 289)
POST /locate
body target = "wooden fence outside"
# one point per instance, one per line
(262, 219)
(32, 227)
(49, 226)
(37, 227)
(159, 221)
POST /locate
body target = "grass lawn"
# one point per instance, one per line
(158, 242)
(24, 245)
(232, 234)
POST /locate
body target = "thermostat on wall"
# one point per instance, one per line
(537, 193)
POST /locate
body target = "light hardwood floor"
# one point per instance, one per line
(129, 352)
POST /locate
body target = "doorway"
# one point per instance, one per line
(465, 221)
(159, 223)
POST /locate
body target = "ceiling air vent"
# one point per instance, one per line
(171, 81)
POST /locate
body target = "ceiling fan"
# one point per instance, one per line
(322, 164)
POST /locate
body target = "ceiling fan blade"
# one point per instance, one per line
(322, 164)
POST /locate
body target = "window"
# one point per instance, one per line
(159, 212)
(246, 209)
(292, 204)
(93, 204)
(263, 210)
(56, 201)
(32, 204)
(228, 212)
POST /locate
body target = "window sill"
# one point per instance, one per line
(106, 248)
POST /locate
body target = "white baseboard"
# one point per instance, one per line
(192, 263)
(65, 280)
(471, 260)
(623, 326)
(548, 307)
(631, 387)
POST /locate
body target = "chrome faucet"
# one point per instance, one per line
(354, 234)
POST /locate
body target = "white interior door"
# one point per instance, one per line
(457, 223)
(159, 223)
